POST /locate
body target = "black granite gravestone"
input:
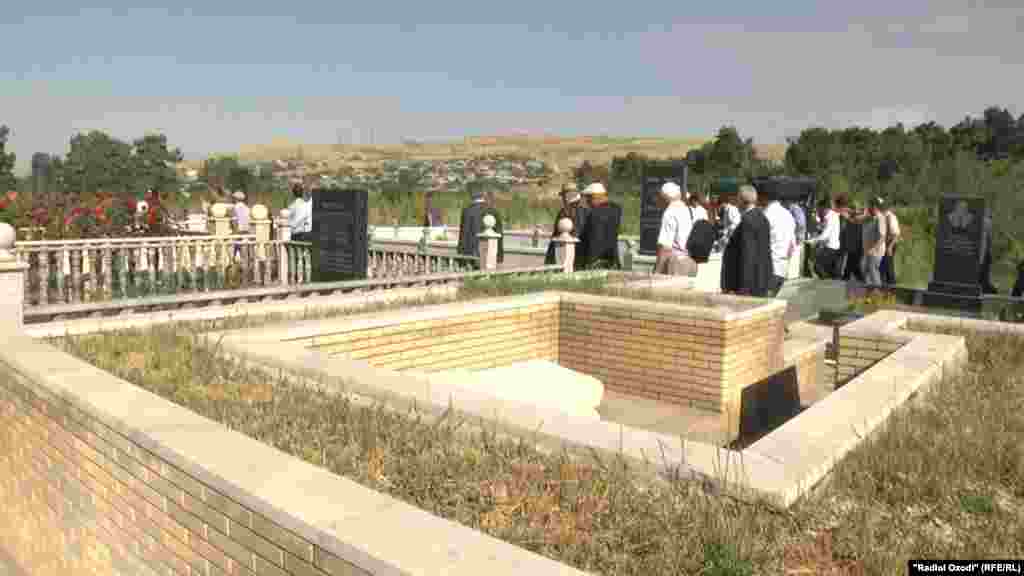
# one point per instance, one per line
(340, 243)
(654, 175)
(958, 237)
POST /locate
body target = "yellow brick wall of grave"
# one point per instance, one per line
(857, 354)
(674, 359)
(80, 498)
(472, 341)
(679, 359)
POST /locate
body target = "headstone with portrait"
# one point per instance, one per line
(654, 175)
(340, 243)
(958, 244)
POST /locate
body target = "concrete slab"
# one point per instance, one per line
(671, 419)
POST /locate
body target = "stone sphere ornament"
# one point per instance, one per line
(489, 222)
(7, 237)
(219, 210)
(259, 212)
(565, 226)
(142, 207)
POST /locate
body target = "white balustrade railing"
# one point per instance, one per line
(74, 271)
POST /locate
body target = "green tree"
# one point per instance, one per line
(154, 164)
(7, 179)
(98, 162)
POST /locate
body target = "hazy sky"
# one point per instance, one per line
(217, 74)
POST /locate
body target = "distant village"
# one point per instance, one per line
(437, 175)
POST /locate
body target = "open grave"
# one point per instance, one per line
(707, 367)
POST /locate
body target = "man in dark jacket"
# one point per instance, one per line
(852, 244)
(599, 242)
(747, 260)
(572, 209)
(470, 226)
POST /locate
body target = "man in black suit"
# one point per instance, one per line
(470, 224)
(747, 260)
(599, 242)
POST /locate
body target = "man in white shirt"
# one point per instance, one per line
(300, 216)
(826, 259)
(892, 237)
(783, 238)
(676, 224)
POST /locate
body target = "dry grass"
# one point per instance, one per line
(942, 480)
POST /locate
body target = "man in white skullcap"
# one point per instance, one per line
(599, 241)
(241, 210)
(676, 224)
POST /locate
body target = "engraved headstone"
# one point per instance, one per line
(654, 175)
(958, 243)
(340, 243)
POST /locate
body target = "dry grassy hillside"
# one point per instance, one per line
(560, 153)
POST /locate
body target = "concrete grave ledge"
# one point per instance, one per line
(779, 467)
(60, 328)
(351, 524)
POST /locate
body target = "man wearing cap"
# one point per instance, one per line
(573, 210)
(470, 224)
(747, 260)
(599, 241)
(676, 223)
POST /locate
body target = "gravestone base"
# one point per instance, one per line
(954, 296)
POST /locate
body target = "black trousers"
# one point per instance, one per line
(826, 263)
(853, 268)
(888, 269)
(302, 237)
(1018, 286)
(777, 282)
(985, 274)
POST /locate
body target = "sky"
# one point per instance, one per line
(218, 74)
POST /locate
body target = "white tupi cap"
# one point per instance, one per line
(671, 191)
(595, 189)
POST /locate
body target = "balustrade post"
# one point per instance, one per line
(87, 271)
(261, 229)
(565, 245)
(44, 277)
(107, 263)
(284, 235)
(488, 244)
(627, 256)
(12, 279)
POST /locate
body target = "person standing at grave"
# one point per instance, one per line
(985, 250)
(1018, 286)
(852, 244)
(599, 241)
(431, 215)
(491, 207)
(676, 223)
(470, 225)
(300, 215)
(574, 211)
(696, 201)
(241, 213)
(874, 235)
(782, 236)
(729, 216)
(892, 237)
(747, 261)
(827, 243)
(799, 220)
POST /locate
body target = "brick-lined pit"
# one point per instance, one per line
(699, 356)
(472, 340)
(80, 498)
